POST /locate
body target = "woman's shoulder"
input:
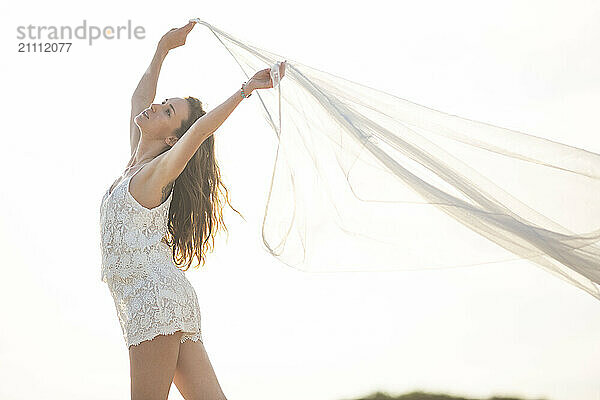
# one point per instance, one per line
(147, 187)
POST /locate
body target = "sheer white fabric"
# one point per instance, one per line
(364, 180)
(152, 296)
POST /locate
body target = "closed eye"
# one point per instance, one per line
(167, 111)
(172, 108)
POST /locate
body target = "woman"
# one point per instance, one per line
(158, 216)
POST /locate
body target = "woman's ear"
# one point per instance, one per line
(171, 140)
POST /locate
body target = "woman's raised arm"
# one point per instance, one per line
(173, 162)
(144, 93)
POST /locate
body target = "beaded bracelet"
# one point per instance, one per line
(242, 90)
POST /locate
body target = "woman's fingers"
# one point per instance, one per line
(186, 28)
(189, 25)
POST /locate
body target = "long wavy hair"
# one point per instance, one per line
(196, 210)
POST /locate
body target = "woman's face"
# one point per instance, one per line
(161, 120)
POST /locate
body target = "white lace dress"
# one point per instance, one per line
(152, 296)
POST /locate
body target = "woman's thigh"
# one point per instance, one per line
(194, 376)
(152, 366)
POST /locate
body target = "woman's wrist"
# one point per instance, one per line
(161, 49)
(246, 89)
(249, 87)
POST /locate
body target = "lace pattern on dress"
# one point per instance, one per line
(130, 233)
(152, 296)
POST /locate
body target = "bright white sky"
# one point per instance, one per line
(271, 331)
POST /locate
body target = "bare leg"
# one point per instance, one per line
(194, 376)
(152, 366)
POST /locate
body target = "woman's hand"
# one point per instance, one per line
(262, 79)
(175, 37)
